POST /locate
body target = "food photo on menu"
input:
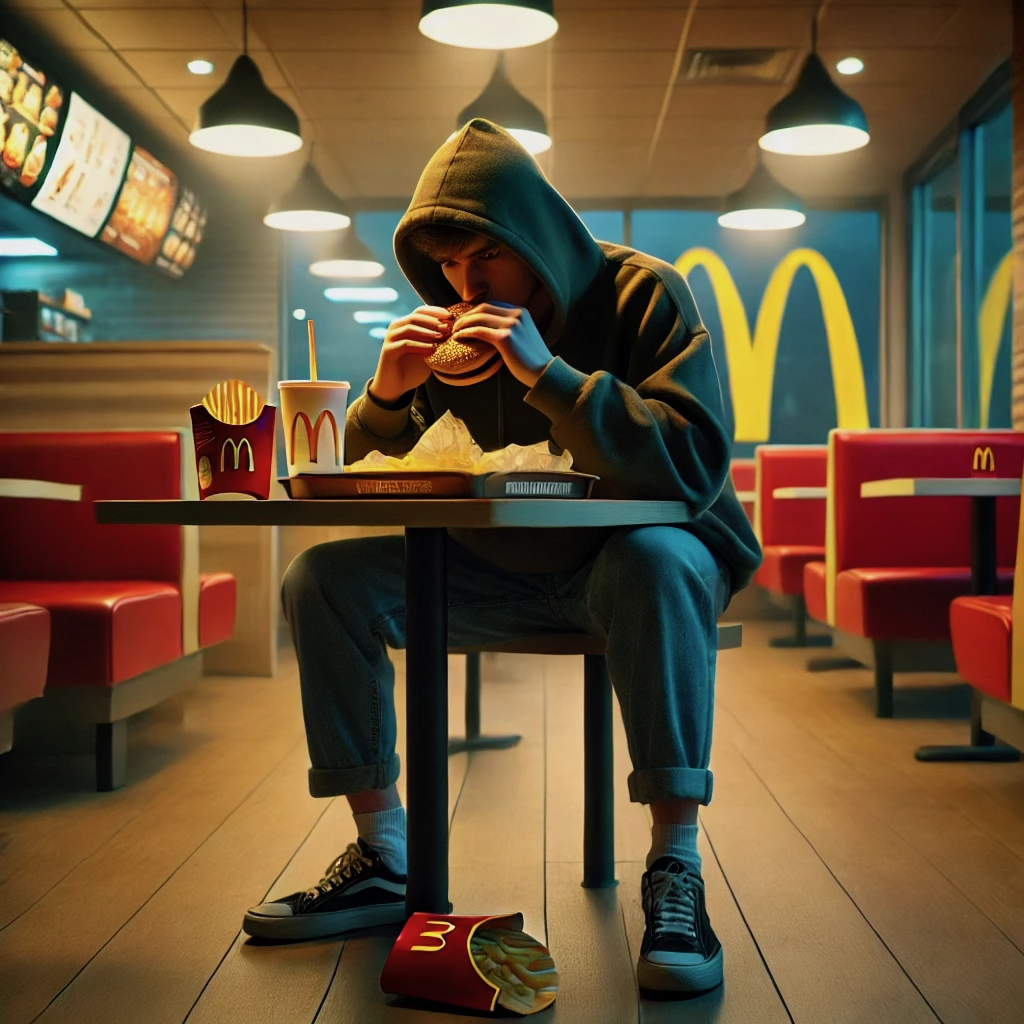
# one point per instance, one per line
(30, 112)
(143, 211)
(178, 251)
(87, 170)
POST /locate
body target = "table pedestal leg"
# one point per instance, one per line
(473, 740)
(426, 657)
(984, 580)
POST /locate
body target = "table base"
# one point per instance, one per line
(996, 752)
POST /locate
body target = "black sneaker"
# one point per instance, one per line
(357, 891)
(680, 952)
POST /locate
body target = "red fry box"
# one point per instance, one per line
(234, 439)
(481, 963)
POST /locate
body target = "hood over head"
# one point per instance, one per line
(483, 180)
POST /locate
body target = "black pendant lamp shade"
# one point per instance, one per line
(345, 255)
(817, 118)
(244, 118)
(488, 25)
(503, 104)
(309, 205)
(762, 205)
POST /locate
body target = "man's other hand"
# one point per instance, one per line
(511, 330)
(407, 343)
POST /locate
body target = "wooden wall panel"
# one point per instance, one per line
(151, 385)
(1018, 214)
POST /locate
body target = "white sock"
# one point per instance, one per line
(385, 832)
(679, 841)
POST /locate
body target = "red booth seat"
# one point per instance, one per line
(782, 571)
(743, 473)
(104, 631)
(814, 591)
(24, 650)
(217, 595)
(902, 604)
(982, 629)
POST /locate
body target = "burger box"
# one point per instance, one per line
(441, 483)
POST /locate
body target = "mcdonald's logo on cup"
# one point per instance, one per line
(313, 418)
(983, 462)
(234, 437)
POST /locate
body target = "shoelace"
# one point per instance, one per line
(350, 863)
(673, 906)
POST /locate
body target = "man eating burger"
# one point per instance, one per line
(532, 331)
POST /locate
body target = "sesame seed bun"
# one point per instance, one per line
(459, 361)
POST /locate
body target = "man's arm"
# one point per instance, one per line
(392, 428)
(660, 433)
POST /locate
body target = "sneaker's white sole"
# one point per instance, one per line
(319, 926)
(688, 979)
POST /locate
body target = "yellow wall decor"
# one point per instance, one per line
(995, 307)
(752, 361)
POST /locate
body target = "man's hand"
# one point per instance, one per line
(511, 330)
(407, 343)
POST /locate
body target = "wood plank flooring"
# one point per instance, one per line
(847, 881)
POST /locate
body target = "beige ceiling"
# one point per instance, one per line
(378, 97)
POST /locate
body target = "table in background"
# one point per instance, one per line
(45, 489)
(983, 492)
(800, 493)
(425, 522)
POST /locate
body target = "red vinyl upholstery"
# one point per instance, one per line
(743, 473)
(792, 532)
(902, 604)
(24, 652)
(112, 591)
(104, 631)
(982, 629)
(217, 593)
(923, 544)
(814, 591)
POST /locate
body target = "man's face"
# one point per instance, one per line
(487, 271)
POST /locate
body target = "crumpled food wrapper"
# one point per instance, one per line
(447, 444)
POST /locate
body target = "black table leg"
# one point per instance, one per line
(984, 580)
(473, 740)
(426, 658)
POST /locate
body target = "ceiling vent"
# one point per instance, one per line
(737, 67)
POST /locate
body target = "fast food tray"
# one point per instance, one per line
(439, 484)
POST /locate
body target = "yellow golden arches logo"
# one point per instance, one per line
(991, 320)
(752, 361)
(440, 936)
(984, 461)
(236, 449)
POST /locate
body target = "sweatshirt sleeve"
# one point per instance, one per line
(370, 425)
(659, 433)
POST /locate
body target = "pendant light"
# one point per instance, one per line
(309, 205)
(762, 205)
(345, 255)
(243, 117)
(502, 103)
(817, 118)
(495, 25)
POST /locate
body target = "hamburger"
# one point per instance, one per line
(461, 361)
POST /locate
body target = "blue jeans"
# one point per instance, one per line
(653, 592)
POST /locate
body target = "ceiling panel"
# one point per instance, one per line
(157, 28)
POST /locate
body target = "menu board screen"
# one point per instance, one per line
(31, 107)
(143, 211)
(179, 247)
(87, 170)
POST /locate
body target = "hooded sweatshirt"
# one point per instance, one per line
(632, 391)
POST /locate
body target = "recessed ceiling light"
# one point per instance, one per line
(361, 294)
(25, 247)
(200, 67)
(380, 333)
(372, 316)
(850, 66)
(299, 314)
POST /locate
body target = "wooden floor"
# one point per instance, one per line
(846, 881)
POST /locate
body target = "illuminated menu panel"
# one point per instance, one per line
(87, 170)
(31, 109)
(144, 206)
(178, 250)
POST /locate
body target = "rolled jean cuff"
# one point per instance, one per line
(650, 784)
(339, 781)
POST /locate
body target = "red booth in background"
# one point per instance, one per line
(128, 609)
(743, 473)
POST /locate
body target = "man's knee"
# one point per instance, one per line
(659, 552)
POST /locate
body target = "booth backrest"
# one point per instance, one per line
(61, 540)
(912, 532)
(742, 473)
(786, 521)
